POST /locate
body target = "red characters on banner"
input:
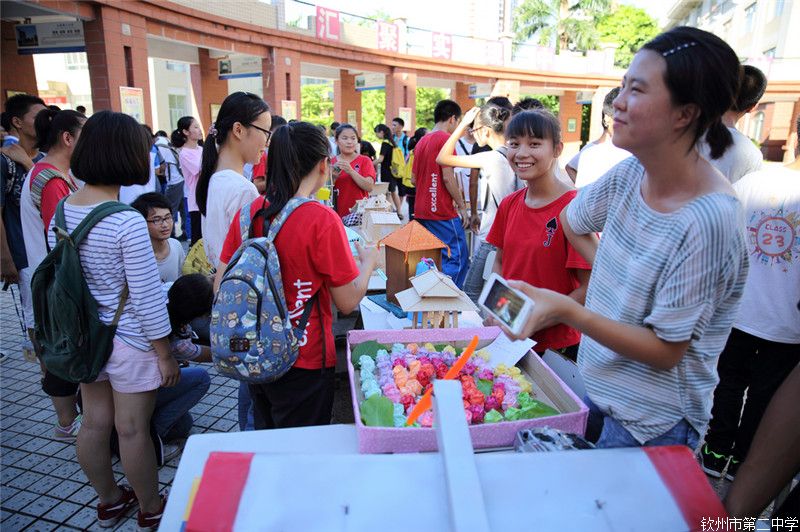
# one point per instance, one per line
(328, 24)
(388, 37)
(441, 45)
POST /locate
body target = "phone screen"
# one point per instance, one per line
(504, 303)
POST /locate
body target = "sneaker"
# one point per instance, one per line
(70, 433)
(109, 514)
(150, 522)
(733, 468)
(712, 463)
(171, 450)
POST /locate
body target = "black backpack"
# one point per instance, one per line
(75, 344)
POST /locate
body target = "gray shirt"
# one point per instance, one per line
(680, 274)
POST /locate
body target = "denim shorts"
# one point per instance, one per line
(614, 434)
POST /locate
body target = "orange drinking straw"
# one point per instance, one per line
(425, 403)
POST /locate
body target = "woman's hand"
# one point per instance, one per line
(367, 257)
(469, 117)
(170, 371)
(549, 307)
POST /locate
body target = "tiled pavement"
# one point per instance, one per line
(42, 486)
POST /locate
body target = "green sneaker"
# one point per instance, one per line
(712, 463)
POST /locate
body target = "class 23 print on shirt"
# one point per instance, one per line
(774, 237)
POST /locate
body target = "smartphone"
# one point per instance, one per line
(509, 306)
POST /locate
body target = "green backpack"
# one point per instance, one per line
(75, 344)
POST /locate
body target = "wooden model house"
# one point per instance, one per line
(375, 225)
(435, 301)
(404, 249)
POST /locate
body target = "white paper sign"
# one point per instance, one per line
(506, 351)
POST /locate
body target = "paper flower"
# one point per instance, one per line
(398, 415)
(492, 416)
(426, 419)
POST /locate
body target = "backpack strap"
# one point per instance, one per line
(279, 220)
(244, 221)
(98, 213)
(40, 181)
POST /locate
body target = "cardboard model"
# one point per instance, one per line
(405, 247)
(435, 301)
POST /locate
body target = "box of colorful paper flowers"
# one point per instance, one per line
(391, 370)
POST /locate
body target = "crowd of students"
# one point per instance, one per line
(647, 309)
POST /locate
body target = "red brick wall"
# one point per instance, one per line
(24, 76)
(461, 97)
(105, 51)
(281, 80)
(569, 108)
(347, 98)
(401, 93)
(212, 89)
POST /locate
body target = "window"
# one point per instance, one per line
(770, 53)
(176, 67)
(757, 127)
(778, 8)
(177, 109)
(749, 17)
(76, 61)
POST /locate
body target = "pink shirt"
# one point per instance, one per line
(190, 159)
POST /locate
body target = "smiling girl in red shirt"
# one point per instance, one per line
(356, 172)
(315, 258)
(530, 241)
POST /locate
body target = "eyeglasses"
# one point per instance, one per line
(161, 220)
(472, 130)
(267, 132)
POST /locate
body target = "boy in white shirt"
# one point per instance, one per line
(169, 253)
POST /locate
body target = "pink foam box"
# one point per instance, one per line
(547, 388)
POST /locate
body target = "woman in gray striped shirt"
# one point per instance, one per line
(670, 269)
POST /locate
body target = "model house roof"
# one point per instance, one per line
(433, 291)
(413, 237)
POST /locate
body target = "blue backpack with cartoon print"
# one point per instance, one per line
(252, 337)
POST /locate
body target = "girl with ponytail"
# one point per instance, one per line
(186, 139)
(671, 265)
(315, 258)
(239, 136)
(487, 125)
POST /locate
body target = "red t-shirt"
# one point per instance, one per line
(315, 256)
(536, 250)
(53, 191)
(347, 190)
(433, 201)
(260, 168)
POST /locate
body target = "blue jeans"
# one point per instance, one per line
(613, 434)
(451, 232)
(171, 417)
(246, 420)
(474, 283)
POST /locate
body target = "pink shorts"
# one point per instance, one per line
(131, 370)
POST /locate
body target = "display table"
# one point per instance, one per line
(376, 318)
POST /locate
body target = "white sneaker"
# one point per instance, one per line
(70, 433)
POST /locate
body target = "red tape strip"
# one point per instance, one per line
(217, 500)
(678, 468)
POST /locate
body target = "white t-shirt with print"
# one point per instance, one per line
(170, 266)
(771, 201)
(228, 192)
(738, 160)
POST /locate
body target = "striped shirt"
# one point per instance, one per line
(117, 250)
(680, 274)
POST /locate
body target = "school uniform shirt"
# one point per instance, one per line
(116, 252)
(347, 190)
(535, 250)
(680, 274)
(499, 181)
(315, 257)
(191, 159)
(228, 192)
(433, 201)
(128, 194)
(34, 220)
(169, 268)
(596, 161)
(771, 201)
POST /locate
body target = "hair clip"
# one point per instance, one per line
(212, 131)
(679, 48)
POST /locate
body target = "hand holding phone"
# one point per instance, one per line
(507, 305)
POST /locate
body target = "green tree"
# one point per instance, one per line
(373, 112)
(629, 27)
(316, 103)
(426, 100)
(567, 24)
